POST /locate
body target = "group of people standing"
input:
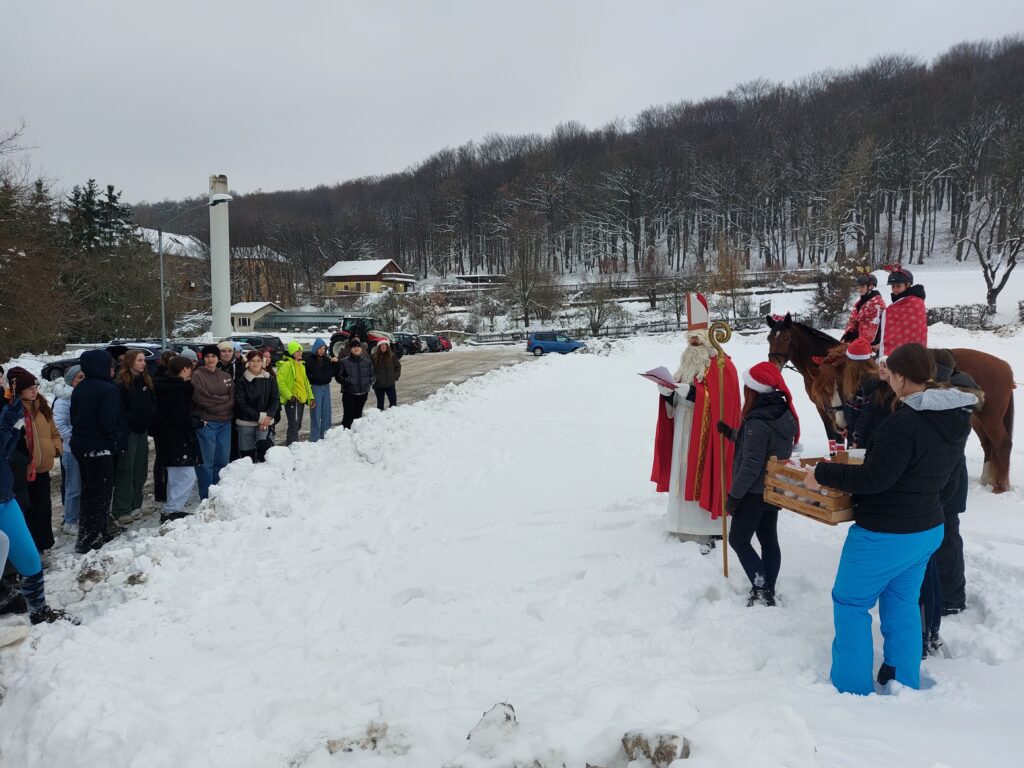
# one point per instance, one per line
(201, 411)
(909, 409)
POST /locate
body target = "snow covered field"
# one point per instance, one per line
(498, 542)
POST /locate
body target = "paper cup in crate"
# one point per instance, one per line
(784, 487)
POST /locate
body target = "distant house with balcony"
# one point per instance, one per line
(371, 276)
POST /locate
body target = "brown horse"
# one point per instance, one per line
(800, 344)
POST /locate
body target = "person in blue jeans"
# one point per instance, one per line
(71, 475)
(898, 522)
(321, 369)
(213, 402)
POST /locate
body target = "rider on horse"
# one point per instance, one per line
(905, 320)
(867, 312)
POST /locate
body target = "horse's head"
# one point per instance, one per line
(780, 338)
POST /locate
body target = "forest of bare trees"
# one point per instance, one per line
(894, 162)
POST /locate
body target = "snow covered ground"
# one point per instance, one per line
(497, 542)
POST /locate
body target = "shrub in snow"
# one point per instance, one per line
(659, 748)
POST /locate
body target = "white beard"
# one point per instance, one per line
(694, 363)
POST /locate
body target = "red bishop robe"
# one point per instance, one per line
(703, 464)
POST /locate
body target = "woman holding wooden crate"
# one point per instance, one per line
(898, 522)
(770, 427)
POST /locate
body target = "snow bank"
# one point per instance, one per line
(497, 542)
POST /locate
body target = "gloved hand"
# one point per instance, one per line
(731, 503)
(725, 429)
(665, 391)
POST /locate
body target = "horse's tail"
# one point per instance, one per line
(1008, 418)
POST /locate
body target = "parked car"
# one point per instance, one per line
(433, 343)
(543, 342)
(259, 341)
(446, 343)
(409, 342)
(55, 369)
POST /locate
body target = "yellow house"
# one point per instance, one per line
(371, 276)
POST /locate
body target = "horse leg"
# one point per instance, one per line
(987, 473)
(1002, 449)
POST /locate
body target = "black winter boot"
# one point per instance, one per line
(769, 597)
(48, 615)
(886, 672)
(756, 597)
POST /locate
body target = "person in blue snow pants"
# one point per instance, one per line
(883, 568)
(899, 521)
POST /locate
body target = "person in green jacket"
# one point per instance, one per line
(295, 389)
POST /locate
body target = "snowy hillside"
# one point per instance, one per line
(498, 542)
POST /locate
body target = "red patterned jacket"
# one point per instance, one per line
(865, 317)
(904, 321)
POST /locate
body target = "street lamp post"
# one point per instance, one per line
(216, 200)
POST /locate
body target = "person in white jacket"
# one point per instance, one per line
(71, 487)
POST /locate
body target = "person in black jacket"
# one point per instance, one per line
(356, 376)
(159, 470)
(257, 405)
(898, 522)
(176, 445)
(132, 464)
(96, 434)
(770, 428)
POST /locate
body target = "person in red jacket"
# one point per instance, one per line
(867, 312)
(905, 320)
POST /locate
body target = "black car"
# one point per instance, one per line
(409, 342)
(257, 341)
(433, 343)
(55, 369)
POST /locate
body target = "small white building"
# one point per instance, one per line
(245, 314)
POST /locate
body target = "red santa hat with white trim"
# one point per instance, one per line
(764, 378)
(859, 350)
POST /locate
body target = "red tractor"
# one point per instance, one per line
(362, 327)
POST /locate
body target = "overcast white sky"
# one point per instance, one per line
(153, 97)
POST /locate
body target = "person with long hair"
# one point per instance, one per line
(34, 456)
(176, 443)
(898, 522)
(769, 427)
(132, 465)
(257, 404)
(387, 370)
(857, 387)
(23, 552)
(71, 477)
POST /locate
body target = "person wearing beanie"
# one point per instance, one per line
(387, 370)
(769, 427)
(356, 376)
(867, 311)
(898, 522)
(213, 400)
(294, 389)
(229, 358)
(96, 435)
(190, 354)
(23, 553)
(905, 320)
(34, 456)
(71, 477)
(857, 385)
(321, 368)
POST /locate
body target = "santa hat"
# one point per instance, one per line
(697, 315)
(764, 378)
(859, 350)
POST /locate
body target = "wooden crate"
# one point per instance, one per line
(784, 487)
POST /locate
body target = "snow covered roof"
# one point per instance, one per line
(249, 307)
(359, 268)
(257, 253)
(176, 245)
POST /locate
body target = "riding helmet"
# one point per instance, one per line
(867, 279)
(901, 275)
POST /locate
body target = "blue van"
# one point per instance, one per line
(552, 341)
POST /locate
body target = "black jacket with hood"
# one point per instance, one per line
(176, 442)
(768, 430)
(97, 416)
(910, 458)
